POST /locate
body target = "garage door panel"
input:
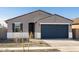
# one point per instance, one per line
(49, 31)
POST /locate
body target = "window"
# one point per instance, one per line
(17, 27)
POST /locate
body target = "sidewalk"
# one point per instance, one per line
(61, 48)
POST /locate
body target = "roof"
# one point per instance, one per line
(63, 17)
(76, 21)
(38, 11)
(28, 14)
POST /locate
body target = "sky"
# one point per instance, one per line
(10, 12)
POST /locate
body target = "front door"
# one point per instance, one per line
(31, 30)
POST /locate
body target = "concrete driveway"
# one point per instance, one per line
(64, 45)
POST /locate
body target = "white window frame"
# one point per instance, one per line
(17, 23)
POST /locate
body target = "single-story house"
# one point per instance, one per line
(75, 28)
(39, 24)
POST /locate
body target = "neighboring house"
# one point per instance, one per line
(3, 30)
(41, 25)
(75, 28)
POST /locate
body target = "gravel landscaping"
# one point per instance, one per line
(31, 43)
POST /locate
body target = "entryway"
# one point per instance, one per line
(31, 30)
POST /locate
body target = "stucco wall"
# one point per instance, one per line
(75, 31)
(75, 26)
(53, 20)
(37, 18)
(26, 19)
(33, 17)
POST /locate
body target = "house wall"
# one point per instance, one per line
(75, 31)
(38, 18)
(33, 17)
(75, 26)
(52, 20)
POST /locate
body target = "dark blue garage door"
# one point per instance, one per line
(50, 31)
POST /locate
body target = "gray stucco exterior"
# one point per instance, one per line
(38, 17)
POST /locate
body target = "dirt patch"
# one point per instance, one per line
(31, 43)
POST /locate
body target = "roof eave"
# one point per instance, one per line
(63, 17)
